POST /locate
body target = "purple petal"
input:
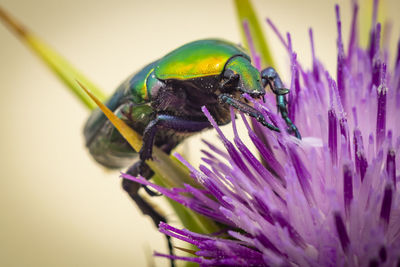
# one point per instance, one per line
(347, 188)
(381, 113)
(341, 232)
(353, 33)
(341, 59)
(332, 139)
(391, 166)
(359, 154)
(386, 205)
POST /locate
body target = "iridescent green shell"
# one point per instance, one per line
(132, 100)
(249, 75)
(136, 85)
(197, 59)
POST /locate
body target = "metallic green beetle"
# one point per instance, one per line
(163, 103)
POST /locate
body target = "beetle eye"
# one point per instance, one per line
(229, 78)
(229, 75)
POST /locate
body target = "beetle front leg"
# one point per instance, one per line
(270, 77)
(282, 108)
(175, 123)
(249, 110)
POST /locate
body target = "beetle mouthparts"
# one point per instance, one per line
(257, 95)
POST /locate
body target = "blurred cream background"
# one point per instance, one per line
(58, 207)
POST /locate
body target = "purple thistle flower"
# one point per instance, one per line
(331, 199)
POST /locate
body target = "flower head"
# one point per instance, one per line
(331, 199)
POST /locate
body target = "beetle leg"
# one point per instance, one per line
(282, 108)
(270, 77)
(174, 123)
(249, 110)
(144, 170)
(132, 189)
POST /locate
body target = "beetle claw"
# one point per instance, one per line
(280, 91)
(145, 153)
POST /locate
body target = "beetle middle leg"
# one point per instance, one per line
(161, 121)
(270, 77)
(178, 124)
(132, 188)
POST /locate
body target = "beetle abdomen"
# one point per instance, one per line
(110, 149)
(130, 103)
(107, 145)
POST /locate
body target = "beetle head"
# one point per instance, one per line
(239, 76)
